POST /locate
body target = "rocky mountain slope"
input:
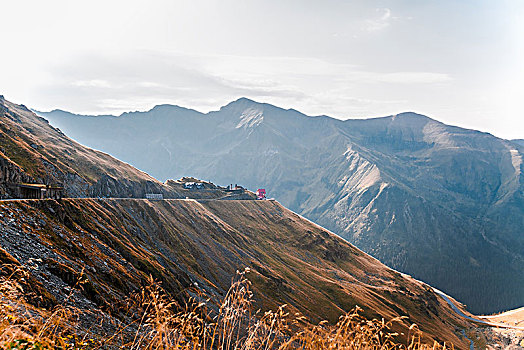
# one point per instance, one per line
(32, 151)
(92, 254)
(114, 244)
(439, 202)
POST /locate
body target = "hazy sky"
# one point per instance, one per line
(461, 62)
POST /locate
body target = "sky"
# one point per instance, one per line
(460, 62)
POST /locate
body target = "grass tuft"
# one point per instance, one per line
(159, 323)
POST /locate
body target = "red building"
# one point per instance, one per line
(261, 193)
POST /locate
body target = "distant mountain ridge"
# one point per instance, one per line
(114, 246)
(519, 141)
(32, 151)
(442, 203)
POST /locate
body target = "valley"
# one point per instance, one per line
(194, 244)
(191, 241)
(262, 175)
(428, 199)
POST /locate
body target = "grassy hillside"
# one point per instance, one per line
(114, 245)
(48, 156)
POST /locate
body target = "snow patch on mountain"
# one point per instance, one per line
(516, 160)
(437, 133)
(250, 118)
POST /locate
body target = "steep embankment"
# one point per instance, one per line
(442, 203)
(33, 151)
(185, 243)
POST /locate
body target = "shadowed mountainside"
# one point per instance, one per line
(442, 203)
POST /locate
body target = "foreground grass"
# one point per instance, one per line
(156, 322)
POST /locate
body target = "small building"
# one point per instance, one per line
(261, 193)
(192, 185)
(40, 191)
(235, 189)
(154, 196)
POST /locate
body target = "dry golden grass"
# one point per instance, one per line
(161, 323)
(23, 326)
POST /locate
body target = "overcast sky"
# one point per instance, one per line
(461, 61)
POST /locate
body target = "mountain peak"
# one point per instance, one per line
(239, 106)
(241, 103)
(411, 115)
(245, 100)
(167, 107)
(247, 111)
(56, 111)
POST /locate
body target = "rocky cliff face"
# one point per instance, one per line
(442, 203)
(10, 175)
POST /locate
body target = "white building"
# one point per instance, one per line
(154, 196)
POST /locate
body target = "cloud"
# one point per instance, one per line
(383, 21)
(116, 82)
(92, 83)
(111, 82)
(411, 77)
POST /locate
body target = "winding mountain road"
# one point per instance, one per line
(476, 320)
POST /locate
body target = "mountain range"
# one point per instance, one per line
(31, 151)
(442, 203)
(189, 246)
